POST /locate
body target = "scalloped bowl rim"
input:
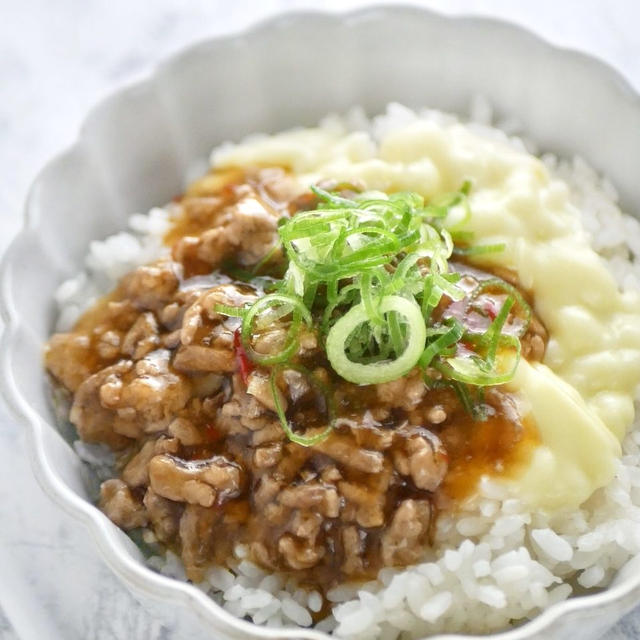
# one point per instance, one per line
(104, 534)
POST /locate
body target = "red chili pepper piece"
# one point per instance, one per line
(245, 367)
(491, 309)
(211, 433)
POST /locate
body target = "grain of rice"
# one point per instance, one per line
(491, 596)
(256, 599)
(250, 570)
(234, 593)
(234, 607)
(219, 578)
(271, 583)
(471, 526)
(436, 606)
(266, 612)
(296, 613)
(314, 601)
(433, 572)
(481, 568)
(355, 622)
(401, 619)
(510, 574)
(591, 577)
(552, 544)
(506, 526)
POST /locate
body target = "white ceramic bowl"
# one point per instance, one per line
(134, 151)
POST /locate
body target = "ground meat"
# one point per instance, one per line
(94, 421)
(109, 345)
(306, 525)
(151, 287)
(136, 472)
(259, 387)
(404, 393)
(117, 501)
(201, 312)
(344, 449)
(247, 230)
(353, 543)
(323, 500)
(164, 515)
(403, 542)
(298, 554)
(197, 358)
(534, 342)
(422, 456)
(266, 491)
(244, 412)
(270, 432)
(68, 358)
(368, 506)
(267, 456)
(196, 526)
(142, 338)
(186, 432)
(197, 481)
(144, 397)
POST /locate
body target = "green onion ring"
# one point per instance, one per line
(378, 371)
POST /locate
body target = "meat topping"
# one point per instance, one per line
(157, 371)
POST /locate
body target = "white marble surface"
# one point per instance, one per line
(57, 58)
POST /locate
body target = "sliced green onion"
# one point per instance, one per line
(509, 289)
(373, 270)
(331, 198)
(475, 408)
(228, 310)
(462, 391)
(320, 386)
(408, 199)
(379, 371)
(348, 294)
(435, 286)
(492, 334)
(395, 332)
(370, 300)
(474, 370)
(464, 394)
(461, 236)
(292, 305)
(436, 347)
(266, 259)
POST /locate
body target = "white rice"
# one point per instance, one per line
(493, 564)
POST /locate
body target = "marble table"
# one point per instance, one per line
(56, 60)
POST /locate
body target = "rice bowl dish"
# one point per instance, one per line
(553, 519)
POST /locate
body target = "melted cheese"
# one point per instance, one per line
(582, 396)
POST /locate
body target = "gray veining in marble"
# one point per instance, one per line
(56, 60)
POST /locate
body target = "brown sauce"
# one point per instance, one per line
(496, 447)
(366, 466)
